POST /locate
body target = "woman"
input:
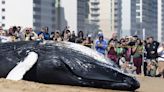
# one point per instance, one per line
(112, 54)
(137, 55)
(57, 37)
(80, 37)
(88, 42)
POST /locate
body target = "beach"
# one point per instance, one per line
(147, 85)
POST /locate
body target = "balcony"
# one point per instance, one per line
(95, 1)
(95, 13)
(94, 7)
(94, 19)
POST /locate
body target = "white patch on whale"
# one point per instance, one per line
(21, 68)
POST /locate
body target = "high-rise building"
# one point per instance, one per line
(162, 33)
(28, 13)
(128, 17)
(107, 15)
(160, 20)
(2, 3)
(94, 15)
(147, 18)
(110, 17)
(116, 17)
(71, 13)
(44, 14)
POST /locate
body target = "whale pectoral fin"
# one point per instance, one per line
(21, 68)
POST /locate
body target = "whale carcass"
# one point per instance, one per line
(65, 63)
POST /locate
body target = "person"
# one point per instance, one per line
(27, 35)
(52, 35)
(152, 68)
(11, 34)
(151, 47)
(126, 67)
(4, 38)
(46, 35)
(119, 51)
(19, 34)
(137, 51)
(88, 42)
(80, 37)
(112, 54)
(114, 37)
(1, 30)
(72, 37)
(57, 37)
(40, 40)
(67, 35)
(33, 35)
(161, 60)
(101, 44)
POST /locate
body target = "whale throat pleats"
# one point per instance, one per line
(22, 68)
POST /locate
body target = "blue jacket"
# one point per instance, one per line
(101, 49)
(46, 35)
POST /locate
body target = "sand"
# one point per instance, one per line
(147, 85)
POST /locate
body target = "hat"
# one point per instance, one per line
(89, 35)
(100, 34)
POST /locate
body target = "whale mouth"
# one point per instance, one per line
(132, 82)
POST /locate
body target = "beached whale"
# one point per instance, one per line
(64, 63)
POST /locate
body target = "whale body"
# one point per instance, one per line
(67, 64)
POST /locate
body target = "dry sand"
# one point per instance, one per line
(147, 85)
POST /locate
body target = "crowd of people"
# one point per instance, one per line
(130, 53)
(134, 55)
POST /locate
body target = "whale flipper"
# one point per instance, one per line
(21, 68)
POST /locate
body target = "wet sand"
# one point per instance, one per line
(147, 85)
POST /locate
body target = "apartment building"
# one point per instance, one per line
(147, 18)
(128, 18)
(28, 13)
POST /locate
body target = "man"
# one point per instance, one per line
(101, 44)
(45, 32)
(4, 38)
(152, 54)
(151, 49)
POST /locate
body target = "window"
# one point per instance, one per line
(3, 17)
(3, 10)
(53, 4)
(36, 16)
(3, 25)
(37, 1)
(137, 20)
(137, 1)
(137, 7)
(3, 2)
(138, 13)
(53, 11)
(37, 9)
